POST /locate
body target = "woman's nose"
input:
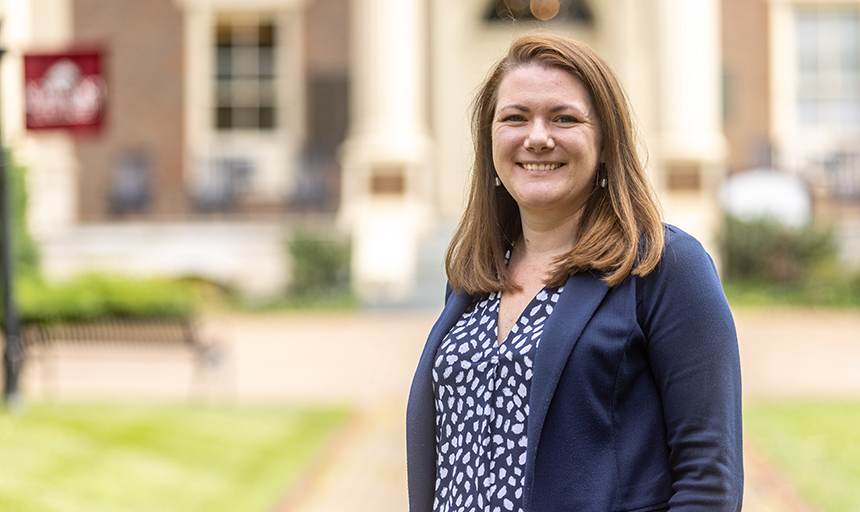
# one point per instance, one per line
(539, 138)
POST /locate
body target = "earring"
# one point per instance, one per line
(601, 175)
(498, 182)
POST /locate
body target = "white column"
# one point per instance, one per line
(386, 179)
(690, 90)
(41, 25)
(690, 144)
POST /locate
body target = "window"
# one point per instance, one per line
(131, 182)
(828, 67)
(245, 75)
(539, 10)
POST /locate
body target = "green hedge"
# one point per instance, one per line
(320, 266)
(26, 256)
(93, 297)
(90, 297)
(769, 263)
(765, 250)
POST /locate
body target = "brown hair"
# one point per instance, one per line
(621, 230)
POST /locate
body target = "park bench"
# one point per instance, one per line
(42, 339)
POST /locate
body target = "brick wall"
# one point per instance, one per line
(745, 68)
(143, 41)
(327, 36)
(327, 42)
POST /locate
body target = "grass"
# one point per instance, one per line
(115, 458)
(816, 444)
(827, 293)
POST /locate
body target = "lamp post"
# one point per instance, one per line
(13, 354)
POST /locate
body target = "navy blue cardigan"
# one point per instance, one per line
(635, 400)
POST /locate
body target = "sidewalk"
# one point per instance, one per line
(784, 353)
(366, 360)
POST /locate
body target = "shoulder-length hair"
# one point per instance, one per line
(621, 229)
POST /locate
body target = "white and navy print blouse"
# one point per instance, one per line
(481, 389)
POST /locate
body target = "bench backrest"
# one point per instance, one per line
(135, 331)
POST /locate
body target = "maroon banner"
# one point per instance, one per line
(64, 90)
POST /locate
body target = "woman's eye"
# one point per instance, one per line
(566, 119)
(514, 118)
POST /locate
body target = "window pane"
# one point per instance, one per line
(224, 118)
(849, 56)
(576, 11)
(245, 118)
(245, 35)
(266, 35)
(224, 61)
(849, 109)
(807, 41)
(807, 83)
(267, 62)
(223, 93)
(808, 110)
(267, 92)
(850, 83)
(828, 111)
(223, 35)
(245, 93)
(245, 61)
(267, 118)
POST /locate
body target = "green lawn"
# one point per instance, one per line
(817, 445)
(147, 458)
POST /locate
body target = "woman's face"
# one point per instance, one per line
(546, 140)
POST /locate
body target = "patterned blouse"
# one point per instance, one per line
(482, 406)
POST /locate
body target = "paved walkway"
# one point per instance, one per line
(366, 360)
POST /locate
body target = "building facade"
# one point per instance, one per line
(792, 100)
(222, 120)
(229, 122)
(407, 158)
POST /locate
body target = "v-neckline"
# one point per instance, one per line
(528, 307)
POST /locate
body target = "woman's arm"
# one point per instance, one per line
(693, 352)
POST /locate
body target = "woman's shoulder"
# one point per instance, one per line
(686, 278)
(680, 247)
(680, 239)
(684, 261)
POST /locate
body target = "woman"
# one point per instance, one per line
(586, 358)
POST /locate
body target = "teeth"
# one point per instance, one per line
(541, 167)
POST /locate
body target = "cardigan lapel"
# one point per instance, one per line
(582, 294)
(421, 411)
(456, 305)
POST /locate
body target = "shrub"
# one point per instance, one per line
(764, 250)
(89, 297)
(94, 297)
(320, 266)
(768, 263)
(25, 258)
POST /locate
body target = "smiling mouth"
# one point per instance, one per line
(540, 167)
